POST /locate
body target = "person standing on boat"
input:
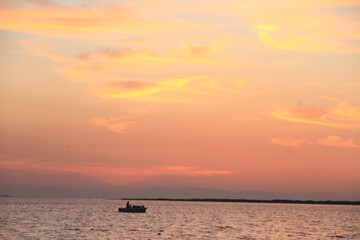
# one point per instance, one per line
(128, 205)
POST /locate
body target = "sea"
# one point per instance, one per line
(54, 218)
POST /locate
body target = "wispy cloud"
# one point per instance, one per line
(202, 51)
(336, 141)
(41, 49)
(116, 125)
(278, 23)
(111, 63)
(301, 26)
(104, 68)
(289, 142)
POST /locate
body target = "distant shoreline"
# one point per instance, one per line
(327, 202)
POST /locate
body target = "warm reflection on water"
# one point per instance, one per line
(32, 219)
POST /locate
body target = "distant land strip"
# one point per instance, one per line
(328, 202)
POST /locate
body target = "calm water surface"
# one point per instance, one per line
(24, 218)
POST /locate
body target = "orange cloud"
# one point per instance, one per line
(342, 116)
(111, 175)
(113, 124)
(331, 141)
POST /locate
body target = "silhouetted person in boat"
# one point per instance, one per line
(128, 205)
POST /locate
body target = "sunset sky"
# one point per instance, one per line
(231, 94)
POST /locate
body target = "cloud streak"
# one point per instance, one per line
(55, 20)
(330, 141)
(111, 175)
(182, 89)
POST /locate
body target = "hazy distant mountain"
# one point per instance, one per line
(113, 192)
(196, 193)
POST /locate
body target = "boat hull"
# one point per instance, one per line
(132, 210)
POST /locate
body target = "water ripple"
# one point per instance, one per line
(42, 219)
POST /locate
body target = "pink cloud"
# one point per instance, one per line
(129, 85)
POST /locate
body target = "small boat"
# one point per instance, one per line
(133, 208)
